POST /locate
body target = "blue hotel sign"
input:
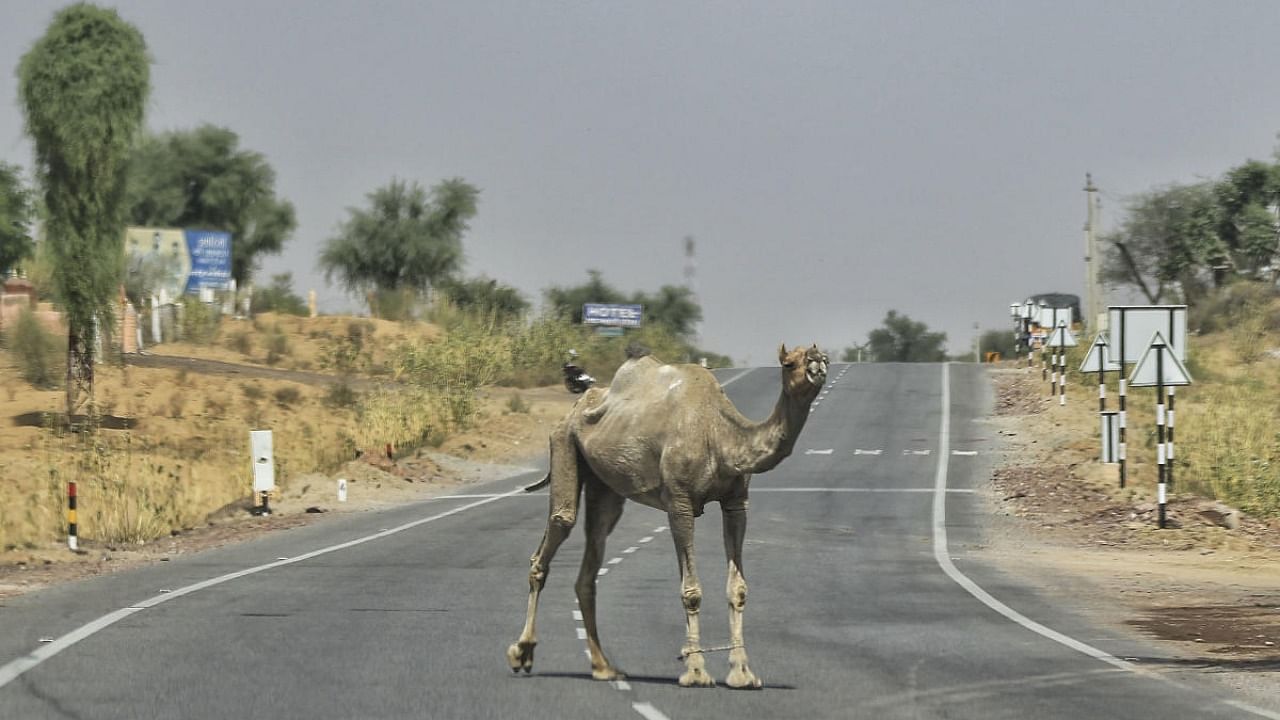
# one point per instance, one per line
(615, 315)
(210, 253)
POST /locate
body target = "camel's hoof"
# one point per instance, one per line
(697, 677)
(607, 673)
(743, 679)
(520, 657)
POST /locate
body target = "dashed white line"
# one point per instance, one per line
(615, 561)
(630, 550)
(648, 712)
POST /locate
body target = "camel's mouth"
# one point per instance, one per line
(816, 372)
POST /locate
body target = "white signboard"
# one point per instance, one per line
(1130, 328)
(1051, 317)
(264, 464)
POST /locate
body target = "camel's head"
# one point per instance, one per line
(804, 370)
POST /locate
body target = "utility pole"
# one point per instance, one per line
(1092, 294)
(691, 277)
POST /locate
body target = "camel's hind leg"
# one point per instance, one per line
(735, 526)
(604, 508)
(565, 490)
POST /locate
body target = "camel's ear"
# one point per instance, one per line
(782, 353)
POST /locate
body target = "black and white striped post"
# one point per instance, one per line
(73, 542)
(1159, 367)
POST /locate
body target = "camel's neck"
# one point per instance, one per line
(767, 443)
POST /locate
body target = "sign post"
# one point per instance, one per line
(1062, 338)
(1097, 360)
(1159, 366)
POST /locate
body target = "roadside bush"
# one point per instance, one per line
(41, 355)
(287, 396)
(199, 322)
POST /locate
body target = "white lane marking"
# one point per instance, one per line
(964, 452)
(915, 452)
(602, 571)
(577, 615)
(943, 557)
(615, 561)
(648, 712)
(819, 452)
(15, 668)
(961, 491)
(1251, 709)
(646, 538)
(622, 685)
(630, 550)
(860, 451)
(582, 634)
(737, 377)
(660, 529)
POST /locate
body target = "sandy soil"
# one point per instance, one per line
(1206, 589)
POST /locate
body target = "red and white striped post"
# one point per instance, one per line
(72, 542)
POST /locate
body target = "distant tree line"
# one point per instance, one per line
(1179, 242)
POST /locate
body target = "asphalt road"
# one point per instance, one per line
(866, 601)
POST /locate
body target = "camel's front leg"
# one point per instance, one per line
(695, 665)
(735, 526)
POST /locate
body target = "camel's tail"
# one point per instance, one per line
(539, 485)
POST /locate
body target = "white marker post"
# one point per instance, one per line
(1159, 366)
(342, 489)
(264, 468)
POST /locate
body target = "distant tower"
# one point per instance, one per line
(691, 276)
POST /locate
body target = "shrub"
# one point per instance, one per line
(41, 355)
(277, 345)
(287, 395)
(199, 322)
(242, 342)
(517, 404)
(252, 391)
(341, 395)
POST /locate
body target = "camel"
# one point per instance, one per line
(665, 436)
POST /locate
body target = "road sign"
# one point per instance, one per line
(1061, 337)
(1159, 366)
(1098, 358)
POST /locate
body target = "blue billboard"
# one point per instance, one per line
(210, 252)
(615, 315)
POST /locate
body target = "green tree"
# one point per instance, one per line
(15, 219)
(405, 240)
(485, 296)
(858, 352)
(84, 87)
(1001, 341)
(1167, 243)
(902, 339)
(202, 178)
(567, 302)
(1246, 196)
(279, 297)
(673, 307)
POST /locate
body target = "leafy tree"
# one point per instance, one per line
(404, 240)
(858, 352)
(15, 219)
(485, 296)
(673, 307)
(1168, 242)
(902, 339)
(202, 179)
(1246, 196)
(568, 301)
(1001, 341)
(84, 87)
(279, 297)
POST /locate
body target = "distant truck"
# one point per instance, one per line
(1041, 325)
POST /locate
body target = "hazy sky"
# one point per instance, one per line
(833, 160)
